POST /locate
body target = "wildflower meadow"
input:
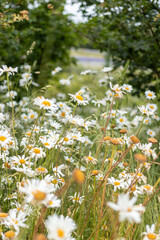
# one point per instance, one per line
(76, 166)
(79, 120)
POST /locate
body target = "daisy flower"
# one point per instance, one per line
(151, 133)
(127, 88)
(79, 99)
(2, 117)
(59, 227)
(12, 94)
(18, 160)
(56, 70)
(32, 115)
(126, 208)
(100, 176)
(9, 70)
(107, 69)
(45, 103)
(147, 189)
(9, 235)
(16, 219)
(150, 95)
(37, 153)
(47, 142)
(144, 110)
(57, 170)
(66, 82)
(41, 170)
(134, 190)
(117, 90)
(69, 159)
(116, 183)
(38, 191)
(90, 159)
(151, 107)
(150, 233)
(5, 138)
(76, 198)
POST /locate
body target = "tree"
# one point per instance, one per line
(127, 30)
(44, 24)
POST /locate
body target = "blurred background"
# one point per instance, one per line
(83, 34)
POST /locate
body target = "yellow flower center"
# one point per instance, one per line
(129, 209)
(90, 158)
(75, 137)
(3, 215)
(151, 236)
(60, 233)
(38, 195)
(25, 117)
(127, 88)
(54, 181)
(41, 169)
(95, 172)
(66, 139)
(22, 161)
(63, 114)
(150, 94)
(121, 120)
(76, 198)
(46, 144)
(2, 138)
(116, 183)
(46, 103)
(15, 221)
(37, 150)
(139, 174)
(147, 187)
(32, 116)
(79, 97)
(133, 188)
(50, 203)
(9, 234)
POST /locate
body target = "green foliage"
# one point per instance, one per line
(127, 30)
(47, 26)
